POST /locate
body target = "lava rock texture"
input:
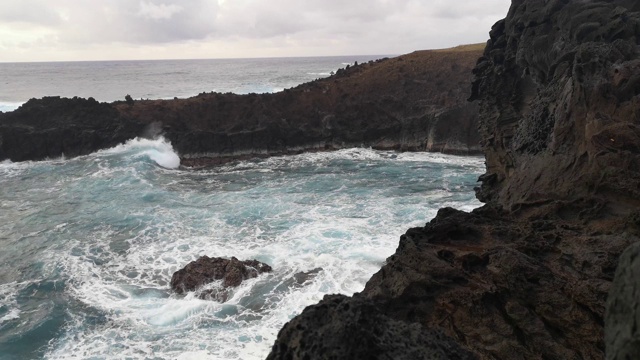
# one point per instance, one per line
(527, 276)
(412, 102)
(206, 270)
(360, 331)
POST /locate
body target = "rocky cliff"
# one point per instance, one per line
(527, 276)
(412, 102)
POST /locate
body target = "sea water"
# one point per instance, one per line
(161, 79)
(88, 245)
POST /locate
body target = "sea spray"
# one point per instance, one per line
(159, 150)
(92, 242)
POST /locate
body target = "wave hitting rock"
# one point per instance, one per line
(412, 102)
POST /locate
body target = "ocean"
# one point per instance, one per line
(161, 79)
(89, 244)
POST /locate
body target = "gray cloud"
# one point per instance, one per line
(28, 12)
(138, 22)
(310, 27)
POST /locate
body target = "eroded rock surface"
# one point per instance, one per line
(360, 331)
(412, 102)
(206, 270)
(527, 276)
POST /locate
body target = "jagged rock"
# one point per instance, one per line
(414, 102)
(359, 331)
(622, 334)
(558, 86)
(527, 275)
(206, 270)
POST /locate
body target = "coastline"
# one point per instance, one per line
(530, 274)
(415, 102)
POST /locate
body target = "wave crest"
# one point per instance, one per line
(158, 150)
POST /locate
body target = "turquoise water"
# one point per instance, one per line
(89, 244)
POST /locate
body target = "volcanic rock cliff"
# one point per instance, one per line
(412, 102)
(526, 276)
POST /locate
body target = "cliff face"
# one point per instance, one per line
(528, 275)
(412, 102)
(558, 86)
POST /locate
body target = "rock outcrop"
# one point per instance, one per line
(412, 102)
(53, 127)
(527, 276)
(360, 331)
(231, 272)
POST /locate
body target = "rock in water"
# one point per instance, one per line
(622, 333)
(206, 270)
(359, 331)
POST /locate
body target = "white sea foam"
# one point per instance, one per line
(119, 229)
(9, 306)
(159, 150)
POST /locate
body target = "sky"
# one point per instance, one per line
(67, 30)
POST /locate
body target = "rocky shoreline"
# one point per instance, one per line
(537, 273)
(528, 275)
(414, 102)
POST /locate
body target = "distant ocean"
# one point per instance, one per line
(88, 245)
(160, 79)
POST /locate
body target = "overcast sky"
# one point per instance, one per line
(53, 30)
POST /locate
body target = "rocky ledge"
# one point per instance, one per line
(528, 275)
(411, 102)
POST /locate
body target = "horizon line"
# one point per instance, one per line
(191, 59)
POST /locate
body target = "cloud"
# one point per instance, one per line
(158, 12)
(28, 12)
(236, 28)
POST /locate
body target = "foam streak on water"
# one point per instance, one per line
(92, 243)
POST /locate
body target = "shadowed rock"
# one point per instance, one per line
(206, 270)
(622, 330)
(359, 331)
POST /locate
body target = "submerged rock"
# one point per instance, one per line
(206, 270)
(303, 277)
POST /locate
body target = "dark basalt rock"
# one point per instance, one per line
(206, 270)
(359, 331)
(622, 333)
(52, 127)
(527, 276)
(558, 86)
(413, 102)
